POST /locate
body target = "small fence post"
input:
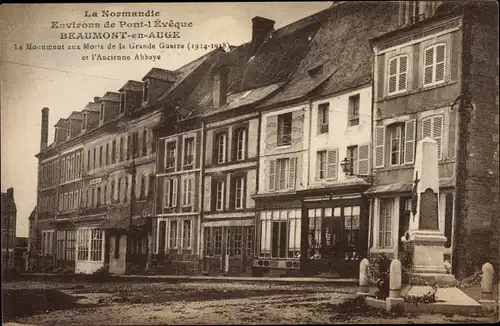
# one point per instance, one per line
(395, 302)
(487, 299)
(364, 278)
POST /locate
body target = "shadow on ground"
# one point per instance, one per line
(19, 303)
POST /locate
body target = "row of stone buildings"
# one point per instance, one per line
(291, 152)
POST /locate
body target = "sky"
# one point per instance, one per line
(63, 81)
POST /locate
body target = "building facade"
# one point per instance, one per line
(422, 71)
(9, 219)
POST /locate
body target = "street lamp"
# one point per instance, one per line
(347, 168)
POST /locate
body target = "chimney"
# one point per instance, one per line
(261, 27)
(10, 192)
(96, 99)
(220, 86)
(44, 137)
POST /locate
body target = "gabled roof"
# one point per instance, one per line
(163, 74)
(263, 72)
(132, 85)
(111, 96)
(342, 47)
(61, 123)
(76, 115)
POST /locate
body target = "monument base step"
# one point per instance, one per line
(435, 278)
(448, 300)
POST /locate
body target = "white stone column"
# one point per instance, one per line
(487, 299)
(395, 302)
(364, 277)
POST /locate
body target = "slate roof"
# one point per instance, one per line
(163, 74)
(132, 85)
(342, 47)
(76, 115)
(61, 123)
(111, 96)
(275, 60)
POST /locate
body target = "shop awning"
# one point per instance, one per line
(138, 222)
(404, 187)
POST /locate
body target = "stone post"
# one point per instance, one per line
(487, 299)
(364, 277)
(395, 302)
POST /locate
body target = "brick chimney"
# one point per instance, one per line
(220, 86)
(44, 137)
(261, 27)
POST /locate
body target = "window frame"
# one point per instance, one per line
(397, 74)
(284, 139)
(221, 190)
(168, 159)
(434, 64)
(353, 119)
(241, 199)
(323, 114)
(384, 242)
(241, 144)
(187, 141)
(221, 146)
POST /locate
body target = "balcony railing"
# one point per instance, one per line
(285, 139)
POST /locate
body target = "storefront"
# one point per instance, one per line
(89, 250)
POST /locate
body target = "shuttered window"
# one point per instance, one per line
(409, 154)
(321, 165)
(398, 71)
(364, 159)
(433, 127)
(434, 64)
(293, 167)
(379, 146)
(331, 164)
(171, 186)
(282, 174)
(272, 174)
(219, 201)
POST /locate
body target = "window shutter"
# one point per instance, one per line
(292, 175)
(167, 193)
(440, 63)
(437, 132)
(410, 141)
(428, 65)
(392, 75)
(379, 147)
(403, 66)
(331, 164)
(318, 164)
(297, 126)
(364, 159)
(272, 174)
(271, 132)
(426, 128)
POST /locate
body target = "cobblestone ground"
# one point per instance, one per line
(184, 303)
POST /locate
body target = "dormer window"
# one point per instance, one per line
(122, 102)
(101, 112)
(85, 121)
(145, 91)
(68, 134)
(416, 11)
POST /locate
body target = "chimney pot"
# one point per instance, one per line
(44, 139)
(261, 27)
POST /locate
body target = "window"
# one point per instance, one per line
(352, 156)
(85, 121)
(416, 11)
(283, 168)
(70, 245)
(241, 135)
(321, 162)
(282, 173)
(65, 205)
(122, 148)
(433, 127)
(70, 200)
(47, 242)
(113, 152)
(188, 151)
(98, 201)
(221, 147)
(219, 193)
(280, 233)
(397, 74)
(107, 154)
(434, 64)
(122, 101)
(397, 142)
(145, 91)
(186, 234)
(323, 117)
(112, 192)
(96, 246)
(88, 161)
(351, 226)
(170, 199)
(94, 158)
(173, 235)
(92, 197)
(353, 110)
(385, 223)
(171, 155)
(83, 244)
(218, 240)
(78, 166)
(145, 142)
(100, 156)
(240, 193)
(285, 129)
(187, 194)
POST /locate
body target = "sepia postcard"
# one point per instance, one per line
(232, 163)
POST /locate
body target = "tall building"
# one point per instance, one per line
(9, 219)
